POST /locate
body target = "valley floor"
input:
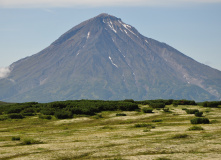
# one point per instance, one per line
(107, 136)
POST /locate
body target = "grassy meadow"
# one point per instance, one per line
(164, 134)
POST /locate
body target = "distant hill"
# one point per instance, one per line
(105, 58)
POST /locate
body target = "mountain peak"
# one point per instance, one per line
(107, 16)
(105, 58)
(103, 15)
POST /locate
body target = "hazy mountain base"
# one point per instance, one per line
(105, 90)
(111, 137)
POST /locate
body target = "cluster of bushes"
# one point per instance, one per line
(178, 136)
(183, 102)
(191, 111)
(196, 112)
(140, 125)
(166, 110)
(211, 104)
(167, 102)
(147, 110)
(19, 110)
(157, 105)
(157, 120)
(196, 128)
(200, 120)
(148, 102)
(65, 109)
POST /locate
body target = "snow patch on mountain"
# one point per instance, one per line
(112, 62)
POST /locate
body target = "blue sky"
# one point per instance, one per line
(191, 26)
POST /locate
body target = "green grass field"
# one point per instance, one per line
(138, 136)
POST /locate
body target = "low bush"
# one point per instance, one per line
(192, 111)
(140, 125)
(63, 114)
(166, 110)
(211, 104)
(157, 120)
(157, 105)
(16, 138)
(162, 158)
(121, 114)
(196, 128)
(198, 114)
(200, 120)
(177, 136)
(30, 141)
(147, 110)
(16, 116)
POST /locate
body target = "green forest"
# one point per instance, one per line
(72, 108)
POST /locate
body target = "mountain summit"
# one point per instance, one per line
(105, 58)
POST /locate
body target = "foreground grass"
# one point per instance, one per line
(110, 137)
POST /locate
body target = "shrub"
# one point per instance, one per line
(14, 109)
(140, 125)
(198, 114)
(175, 104)
(192, 111)
(147, 110)
(121, 114)
(162, 158)
(177, 136)
(63, 114)
(157, 120)
(48, 111)
(127, 106)
(157, 105)
(196, 128)
(166, 110)
(15, 116)
(16, 138)
(30, 141)
(184, 109)
(200, 120)
(211, 104)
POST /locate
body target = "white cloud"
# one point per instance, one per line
(4, 72)
(94, 3)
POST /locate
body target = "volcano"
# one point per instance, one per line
(105, 58)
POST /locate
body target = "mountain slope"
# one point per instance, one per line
(104, 58)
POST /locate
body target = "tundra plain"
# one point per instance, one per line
(161, 135)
